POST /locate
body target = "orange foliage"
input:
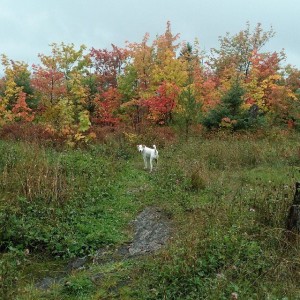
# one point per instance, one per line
(142, 83)
(21, 110)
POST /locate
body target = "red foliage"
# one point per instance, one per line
(107, 104)
(265, 64)
(162, 104)
(49, 82)
(108, 64)
(291, 124)
(206, 86)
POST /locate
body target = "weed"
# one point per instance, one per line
(227, 197)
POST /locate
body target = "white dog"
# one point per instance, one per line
(148, 154)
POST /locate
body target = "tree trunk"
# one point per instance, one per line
(293, 219)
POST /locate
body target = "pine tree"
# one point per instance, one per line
(229, 112)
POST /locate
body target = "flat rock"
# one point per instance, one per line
(76, 264)
(47, 282)
(152, 230)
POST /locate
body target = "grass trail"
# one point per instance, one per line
(227, 199)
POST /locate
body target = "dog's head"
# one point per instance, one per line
(140, 148)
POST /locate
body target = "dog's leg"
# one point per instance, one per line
(145, 162)
(151, 165)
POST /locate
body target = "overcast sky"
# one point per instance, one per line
(27, 27)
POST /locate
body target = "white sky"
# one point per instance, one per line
(27, 27)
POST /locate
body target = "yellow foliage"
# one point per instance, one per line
(170, 70)
(131, 137)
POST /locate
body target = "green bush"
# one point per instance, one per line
(78, 286)
(10, 265)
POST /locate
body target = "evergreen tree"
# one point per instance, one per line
(229, 112)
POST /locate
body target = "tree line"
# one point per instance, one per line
(163, 82)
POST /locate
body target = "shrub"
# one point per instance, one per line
(10, 264)
(161, 136)
(30, 132)
(79, 286)
(197, 181)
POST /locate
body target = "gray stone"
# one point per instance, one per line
(76, 264)
(152, 230)
(46, 283)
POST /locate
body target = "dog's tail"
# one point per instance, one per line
(154, 147)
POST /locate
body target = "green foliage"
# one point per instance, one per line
(229, 113)
(79, 287)
(64, 203)
(127, 83)
(225, 257)
(190, 109)
(10, 264)
(84, 121)
(226, 197)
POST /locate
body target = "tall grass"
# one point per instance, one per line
(28, 172)
(58, 201)
(227, 197)
(230, 235)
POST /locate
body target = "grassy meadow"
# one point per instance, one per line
(227, 197)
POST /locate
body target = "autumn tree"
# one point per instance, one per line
(128, 83)
(139, 65)
(59, 82)
(167, 66)
(135, 81)
(16, 79)
(291, 80)
(168, 76)
(240, 56)
(16, 82)
(236, 51)
(267, 88)
(5, 113)
(291, 77)
(48, 81)
(150, 65)
(108, 65)
(190, 100)
(21, 111)
(106, 107)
